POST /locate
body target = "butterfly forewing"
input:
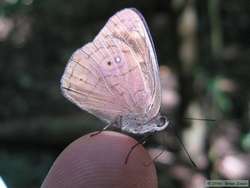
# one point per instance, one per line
(130, 28)
(117, 73)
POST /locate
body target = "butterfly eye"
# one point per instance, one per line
(162, 122)
(109, 63)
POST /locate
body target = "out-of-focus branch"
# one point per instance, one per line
(216, 30)
(187, 28)
(46, 130)
(194, 137)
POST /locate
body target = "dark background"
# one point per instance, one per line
(203, 48)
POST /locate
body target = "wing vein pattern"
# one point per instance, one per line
(117, 73)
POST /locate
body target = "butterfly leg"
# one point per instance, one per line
(117, 121)
(142, 141)
(154, 158)
(100, 131)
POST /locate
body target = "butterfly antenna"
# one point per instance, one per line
(200, 119)
(181, 143)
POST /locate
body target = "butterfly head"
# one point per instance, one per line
(134, 125)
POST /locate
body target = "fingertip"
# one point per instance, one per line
(99, 161)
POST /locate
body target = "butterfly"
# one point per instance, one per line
(116, 76)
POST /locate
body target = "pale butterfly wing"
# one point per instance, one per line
(128, 31)
(81, 84)
(117, 73)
